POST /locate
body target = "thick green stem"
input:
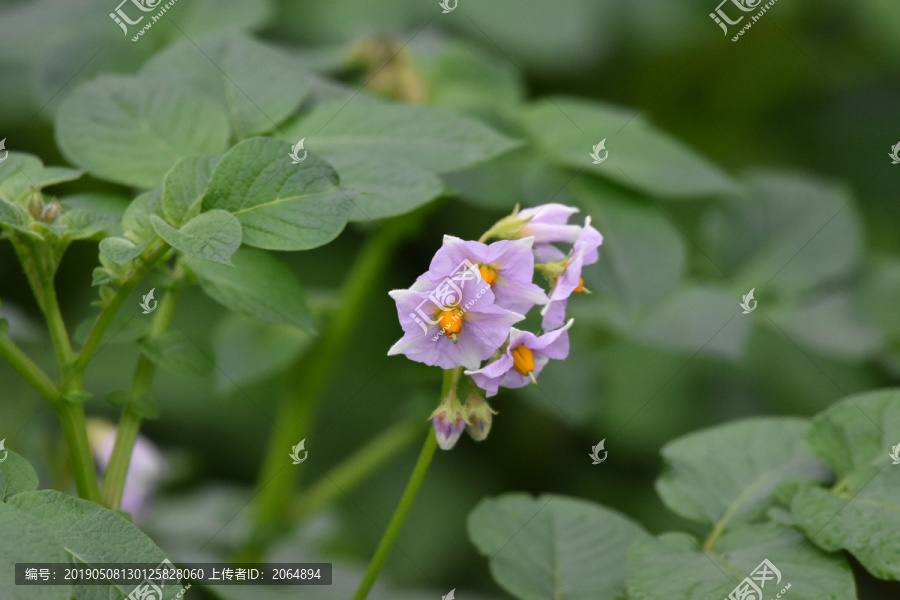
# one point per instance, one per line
(409, 495)
(71, 416)
(307, 381)
(358, 467)
(130, 421)
(150, 256)
(29, 371)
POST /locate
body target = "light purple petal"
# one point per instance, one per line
(554, 314)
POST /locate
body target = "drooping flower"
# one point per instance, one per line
(479, 415)
(506, 266)
(449, 420)
(451, 323)
(524, 359)
(566, 275)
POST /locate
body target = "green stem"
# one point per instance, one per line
(150, 256)
(29, 371)
(130, 421)
(409, 495)
(308, 379)
(355, 469)
(71, 416)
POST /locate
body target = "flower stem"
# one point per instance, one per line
(130, 421)
(150, 256)
(29, 371)
(409, 495)
(71, 415)
(355, 469)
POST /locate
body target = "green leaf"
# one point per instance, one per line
(672, 567)
(280, 205)
(787, 233)
(177, 353)
(433, 139)
(641, 157)
(136, 220)
(184, 187)
(16, 475)
(120, 250)
(702, 318)
(643, 255)
(861, 513)
(15, 217)
(726, 475)
(382, 187)
(553, 547)
(132, 130)
(35, 542)
(256, 85)
(248, 350)
(258, 285)
(87, 216)
(21, 172)
(213, 235)
(91, 534)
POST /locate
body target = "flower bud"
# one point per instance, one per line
(35, 205)
(50, 212)
(449, 422)
(479, 417)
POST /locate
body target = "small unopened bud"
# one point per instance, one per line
(35, 205)
(449, 422)
(479, 417)
(50, 212)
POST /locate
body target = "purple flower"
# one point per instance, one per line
(507, 266)
(584, 252)
(548, 223)
(451, 323)
(525, 357)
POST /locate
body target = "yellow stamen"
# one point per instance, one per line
(523, 360)
(488, 274)
(451, 322)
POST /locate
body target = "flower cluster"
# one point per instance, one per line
(461, 312)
